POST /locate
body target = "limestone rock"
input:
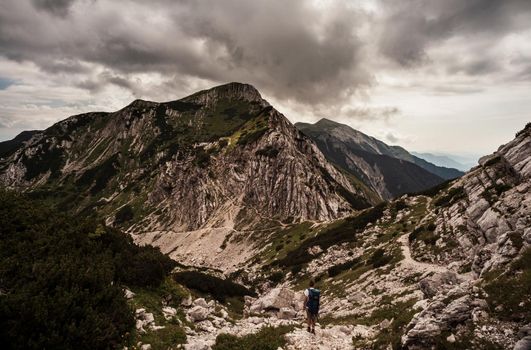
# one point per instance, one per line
(198, 313)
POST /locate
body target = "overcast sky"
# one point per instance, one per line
(448, 76)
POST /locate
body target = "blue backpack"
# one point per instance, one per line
(313, 300)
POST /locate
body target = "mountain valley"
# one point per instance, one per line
(407, 254)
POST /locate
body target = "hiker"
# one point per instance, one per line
(311, 304)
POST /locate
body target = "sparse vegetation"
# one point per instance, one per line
(513, 304)
(268, 338)
(344, 231)
(337, 269)
(453, 195)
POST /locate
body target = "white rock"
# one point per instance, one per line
(201, 302)
(286, 313)
(450, 338)
(224, 313)
(187, 302)
(169, 312)
(198, 313)
(128, 294)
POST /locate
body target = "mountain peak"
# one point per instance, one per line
(327, 122)
(229, 91)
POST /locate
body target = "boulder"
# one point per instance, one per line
(440, 281)
(128, 294)
(145, 320)
(286, 313)
(224, 314)
(277, 298)
(201, 302)
(169, 312)
(361, 331)
(187, 302)
(198, 313)
(298, 301)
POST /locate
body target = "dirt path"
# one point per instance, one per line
(409, 263)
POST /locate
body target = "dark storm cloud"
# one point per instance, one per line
(56, 7)
(293, 51)
(290, 50)
(411, 27)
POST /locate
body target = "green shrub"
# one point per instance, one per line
(124, 214)
(61, 278)
(251, 136)
(276, 276)
(400, 205)
(337, 269)
(98, 177)
(295, 269)
(424, 234)
(46, 158)
(379, 258)
(435, 190)
(493, 161)
(220, 289)
(268, 338)
(202, 158)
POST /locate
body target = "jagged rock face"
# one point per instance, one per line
(221, 157)
(483, 219)
(389, 170)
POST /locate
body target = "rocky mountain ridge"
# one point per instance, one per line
(217, 161)
(389, 170)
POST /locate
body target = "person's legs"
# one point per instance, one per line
(309, 320)
(312, 323)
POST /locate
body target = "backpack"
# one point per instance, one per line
(313, 300)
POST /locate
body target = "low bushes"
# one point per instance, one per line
(61, 278)
(337, 269)
(337, 234)
(124, 214)
(424, 234)
(379, 258)
(220, 289)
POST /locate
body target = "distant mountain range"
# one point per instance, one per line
(389, 170)
(449, 161)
